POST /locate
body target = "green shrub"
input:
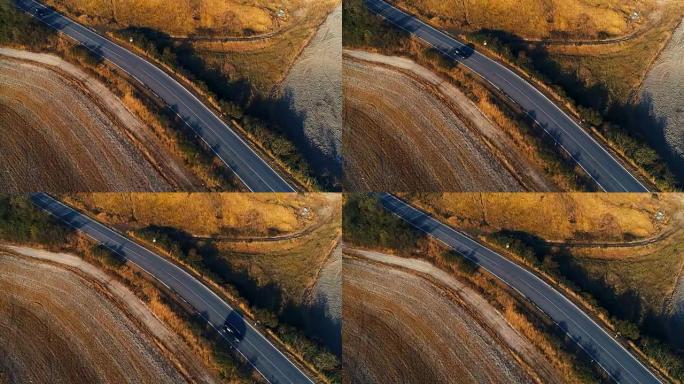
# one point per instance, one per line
(107, 256)
(17, 28)
(461, 262)
(363, 28)
(21, 221)
(84, 55)
(366, 223)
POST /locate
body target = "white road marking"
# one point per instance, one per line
(400, 205)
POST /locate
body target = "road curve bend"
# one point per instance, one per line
(254, 172)
(607, 352)
(252, 345)
(597, 162)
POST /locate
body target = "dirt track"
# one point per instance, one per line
(400, 326)
(64, 131)
(56, 327)
(406, 129)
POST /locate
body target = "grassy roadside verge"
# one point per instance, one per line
(22, 223)
(264, 302)
(597, 90)
(614, 123)
(287, 323)
(20, 31)
(212, 350)
(652, 335)
(364, 30)
(367, 225)
(237, 100)
(649, 333)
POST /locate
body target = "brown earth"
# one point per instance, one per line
(407, 129)
(328, 287)
(57, 327)
(174, 346)
(400, 326)
(64, 131)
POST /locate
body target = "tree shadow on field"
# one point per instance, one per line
(182, 55)
(633, 126)
(281, 113)
(312, 319)
(316, 322)
(237, 97)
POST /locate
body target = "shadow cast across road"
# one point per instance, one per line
(634, 126)
(271, 305)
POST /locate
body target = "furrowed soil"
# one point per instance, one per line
(313, 91)
(402, 324)
(58, 327)
(64, 131)
(328, 288)
(407, 129)
(324, 299)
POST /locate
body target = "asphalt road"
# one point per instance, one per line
(263, 355)
(602, 347)
(252, 170)
(606, 171)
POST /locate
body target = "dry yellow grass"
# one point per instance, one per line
(154, 300)
(309, 226)
(534, 18)
(202, 213)
(161, 310)
(293, 264)
(185, 17)
(652, 269)
(621, 67)
(266, 62)
(263, 63)
(552, 216)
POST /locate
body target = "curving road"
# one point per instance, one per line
(607, 352)
(606, 171)
(255, 173)
(253, 346)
